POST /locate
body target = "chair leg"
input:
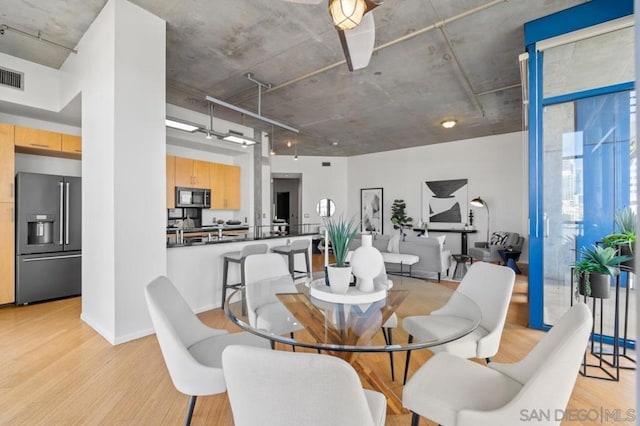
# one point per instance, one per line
(438, 276)
(389, 340)
(406, 362)
(192, 404)
(225, 269)
(488, 360)
(292, 346)
(308, 263)
(415, 419)
(291, 263)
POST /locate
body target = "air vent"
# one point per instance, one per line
(326, 164)
(11, 78)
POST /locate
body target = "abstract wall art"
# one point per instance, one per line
(444, 202)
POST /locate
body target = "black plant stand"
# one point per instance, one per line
(608, 361)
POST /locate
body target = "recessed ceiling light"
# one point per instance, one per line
(447, 124)
(288, 144)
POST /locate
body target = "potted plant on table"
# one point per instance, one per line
(624, 240)
(594, 268)
(341, 232)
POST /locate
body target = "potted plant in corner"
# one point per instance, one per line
(624, 240)
(594, 269)
(399, 217)
(341, 232)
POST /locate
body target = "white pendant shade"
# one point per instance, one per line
(347, 14)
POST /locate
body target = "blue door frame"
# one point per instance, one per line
(566, 21)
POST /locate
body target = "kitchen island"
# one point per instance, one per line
(196, 267)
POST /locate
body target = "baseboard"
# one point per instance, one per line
(110, 337)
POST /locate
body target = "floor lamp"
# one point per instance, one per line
(479, 202)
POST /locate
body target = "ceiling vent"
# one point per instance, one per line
(326, 164)
(11, 78)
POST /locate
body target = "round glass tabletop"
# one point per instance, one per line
(297, 318)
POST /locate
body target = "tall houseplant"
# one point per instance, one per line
(341, 232)
(594, 268)
(399, 216)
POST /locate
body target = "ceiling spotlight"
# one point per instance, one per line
(244, 144)
(288, 144)
(334, 143)
(209, 136)
(295, 157)
(272, 152)
(448, 124)
(347, 14)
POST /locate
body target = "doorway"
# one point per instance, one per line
(287, 200)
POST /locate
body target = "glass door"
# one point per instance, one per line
(589, 174)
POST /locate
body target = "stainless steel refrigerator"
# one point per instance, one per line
(48, 237)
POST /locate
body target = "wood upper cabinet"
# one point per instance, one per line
(171, 182)
(225, 187)
(191, 173)
(7, 171)
(71, 144)
(7, 255)
(36, 138)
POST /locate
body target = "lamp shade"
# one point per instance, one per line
(347, 14)
(478, 202)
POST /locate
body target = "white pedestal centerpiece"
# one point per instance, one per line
(366, 263)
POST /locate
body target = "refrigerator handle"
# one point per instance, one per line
(61, 185)
(66, 216)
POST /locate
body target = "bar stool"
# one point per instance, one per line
(296, 247)
(238, 257)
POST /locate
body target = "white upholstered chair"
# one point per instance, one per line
(455, 391)
(277, 388)
(191, 350)
(263, 307)
(489, 286)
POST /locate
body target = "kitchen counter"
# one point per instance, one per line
(188, 237)
(196, 269)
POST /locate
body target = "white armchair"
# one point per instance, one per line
(454, 391)
(489, 286)
(263, 308)
(277, 388)
(191, 350)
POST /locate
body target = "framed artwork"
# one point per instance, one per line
(444, 202)
(371, 210)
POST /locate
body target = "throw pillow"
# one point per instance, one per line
(498, 238)
(394, 243)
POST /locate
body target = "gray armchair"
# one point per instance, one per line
(488, 251)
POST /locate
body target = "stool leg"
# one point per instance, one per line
(308, 263)
(290, 256)
(225, 269)
(242, 286)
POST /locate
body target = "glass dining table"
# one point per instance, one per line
(347, 329)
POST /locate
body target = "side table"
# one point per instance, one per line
(509, 257)
(461, 265)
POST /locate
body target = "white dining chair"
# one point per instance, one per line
(265, 276)
(191, 350)
(489, 286)
(453, 391)
(277, 388)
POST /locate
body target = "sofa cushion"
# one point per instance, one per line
(394, 243)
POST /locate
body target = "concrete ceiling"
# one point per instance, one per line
(466, 69)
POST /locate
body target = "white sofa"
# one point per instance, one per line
(434, 258)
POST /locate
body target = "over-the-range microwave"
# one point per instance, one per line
(193, 197)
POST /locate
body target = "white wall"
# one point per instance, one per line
(318, 182)
(41, 85)
(495, 167)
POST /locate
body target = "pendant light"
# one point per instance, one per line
(295, 148)
(347, 14)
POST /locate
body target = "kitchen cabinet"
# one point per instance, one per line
(7, 171)
(171, 182)
(71, 144)
(36, 138)
(225, 187)
(7, 253)
(42, 142)
(191, 173)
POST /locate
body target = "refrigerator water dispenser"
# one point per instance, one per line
(40, 230)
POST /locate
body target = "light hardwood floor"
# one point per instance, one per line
(56, 370)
